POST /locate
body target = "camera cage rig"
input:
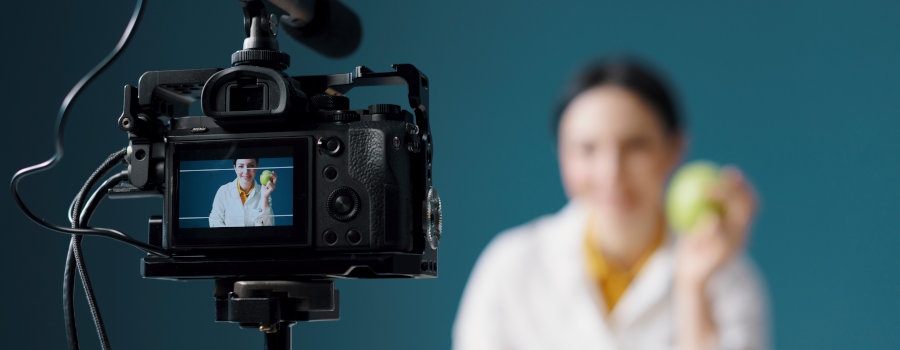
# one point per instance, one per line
(169, 93)
(271, 293)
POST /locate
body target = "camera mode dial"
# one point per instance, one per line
(263, 58)
(384, 109)
(330, 102)
(343, 117)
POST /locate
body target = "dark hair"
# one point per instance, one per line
(631, 75)
(256, 159)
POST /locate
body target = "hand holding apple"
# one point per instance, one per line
(268, 179)
(688, 200)
(720, 218)
(265, 176)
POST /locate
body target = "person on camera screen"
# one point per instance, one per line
(244, 202)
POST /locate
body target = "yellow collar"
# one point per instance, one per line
(612, 279)
(243, 194)
(241, 191)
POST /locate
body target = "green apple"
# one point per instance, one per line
(265, 177)
(687, 200)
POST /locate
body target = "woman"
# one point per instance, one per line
(605, 272)
(243, 202)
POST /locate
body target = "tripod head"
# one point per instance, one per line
(274, 306)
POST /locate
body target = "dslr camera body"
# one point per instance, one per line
(352, 194)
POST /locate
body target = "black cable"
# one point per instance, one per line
(99, 194)
(74, 210)
(68, 297)
(75, 207)
(69, 274)
(84, 219)
(89, 292)
(60, 126)
(74, 254)
(73, 260)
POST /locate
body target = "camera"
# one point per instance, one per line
(277, 187)
(280, 176)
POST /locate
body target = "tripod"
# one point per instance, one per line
(274, 306)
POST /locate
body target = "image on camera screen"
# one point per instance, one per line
(239, 192)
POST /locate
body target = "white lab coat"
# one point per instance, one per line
(227, 209)
(530, 290)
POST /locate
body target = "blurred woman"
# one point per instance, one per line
(605, 272)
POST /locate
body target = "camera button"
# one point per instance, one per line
(343, 204)
(330, 173)
(330, 237)
(333, 145)
(330, 145)
(354, 237)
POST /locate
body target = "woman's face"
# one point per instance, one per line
(615, 154)
(246, 171)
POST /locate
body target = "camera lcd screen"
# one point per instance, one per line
(240, 193)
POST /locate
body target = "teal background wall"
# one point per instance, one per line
(802, 95)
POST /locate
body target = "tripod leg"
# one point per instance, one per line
(281, 338)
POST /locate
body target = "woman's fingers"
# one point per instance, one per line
(738, 200)
(719, 235)
(709, 224)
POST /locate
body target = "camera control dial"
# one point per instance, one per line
(263, 58)
(384, 109)
(330, 102)
(343, 117)
(343, 204)
(433, 221)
